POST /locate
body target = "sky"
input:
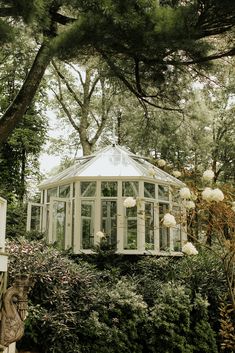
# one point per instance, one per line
(49, 161)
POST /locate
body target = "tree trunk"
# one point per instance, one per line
(22, 177)
(26, 94)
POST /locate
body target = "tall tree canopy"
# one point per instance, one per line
(144, 42)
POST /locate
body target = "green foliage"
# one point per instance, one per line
(202, 274)
(16, 219)
(77, 307)
(169, 324)
(6, 32)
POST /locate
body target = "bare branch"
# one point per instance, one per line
(65, 109)
(67, 84)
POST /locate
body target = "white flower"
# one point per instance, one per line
(207, 194)
(169, 220)
(152, 172)
(217, 195)
(161, 162)
(100, 234)
(176, 173)
(207, 128)
(212, 195)
(129, 202)
(189, 249)
(185, 193)
(188, 204)
(208, 175)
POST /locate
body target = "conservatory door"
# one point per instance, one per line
(36, 217)
(109, 220)
(87, 223)
(60, 222)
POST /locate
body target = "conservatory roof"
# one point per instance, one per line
(112, 161)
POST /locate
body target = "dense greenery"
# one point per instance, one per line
(155, 53)
(145, 43)
(141, 304)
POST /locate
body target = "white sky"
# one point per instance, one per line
(49, 161)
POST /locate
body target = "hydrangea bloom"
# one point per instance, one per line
(176, 173)
(207, 194)
(208, 175)
(169, 220)
(212, 195)
(217, 195)
(185, 193)
(207, 129)
(152, 172)
(189, 249)
(161, 162)
(188, 204)
(100, 234)
(129, 202)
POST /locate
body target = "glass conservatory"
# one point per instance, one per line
(87, 201)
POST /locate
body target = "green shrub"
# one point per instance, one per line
(157, 307)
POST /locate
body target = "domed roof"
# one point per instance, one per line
(112, 161)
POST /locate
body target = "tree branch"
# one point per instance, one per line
(24, 97)
(119, 74)
(67, 112)
(59, 73)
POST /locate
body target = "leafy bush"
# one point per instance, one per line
(162, 305)
(172, 327)
(73, 306)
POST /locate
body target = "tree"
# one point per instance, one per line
(19, 155)
(85, 99)
(143, 42)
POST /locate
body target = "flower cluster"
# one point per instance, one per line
(129, 202)
(100, 234)
(169, 220)
(185, 193)
(176, 173)
(212, 195)
(189, 249)
(152, 172)
(208, 175)
(188, 204)
(161, 162)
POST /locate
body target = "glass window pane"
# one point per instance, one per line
(36, 214)
(74, 189)
(88, 188)
(163, 192)
(64, 191)
(130, 234)
(59, 223)
(87, 224)
(50, 193)
(164, 233)
(43, 196)
(176, 238)
(130, 188)
(109, 188)
(176, 231)
(149, 190)
(109, 220)
(149, 225)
